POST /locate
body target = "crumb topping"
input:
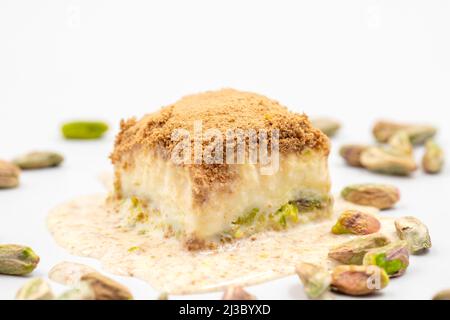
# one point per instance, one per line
(223, 110)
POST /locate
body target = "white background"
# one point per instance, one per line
(354, 60)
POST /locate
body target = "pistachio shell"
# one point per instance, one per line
(39, 160)
(352, 154)
(9, 175)
(327, 125)
(35, 289)
(386, 160)
(353, 251)
(316, 279)
(358, 280)
(418, 134)
(414, 232)
(381, 196)
(433, 159)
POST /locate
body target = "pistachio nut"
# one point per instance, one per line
(35, 289)
(327, 125)
(352, 154)
(105, 288)
(39, 160)
(237, 293)
(418, 134)
(358, 280)
(433, 159)
(393, 258)
(386, 160)
(316, 279)
(83, 130)
(353, 251)
(356, 222)
(401, 144)
(17, 260)
(9, 175)
(414, 232)
(442, 295)
(380, 196)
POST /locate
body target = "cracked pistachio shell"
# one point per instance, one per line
(351, 153)
(315, 278)
(353, 251)
(358, 280)
(401, 144)
(105, 288)
(380, 196)
(327, 125)
(385, 160)
(356, 222)
(35, 289)
(433, 159)
(414, 232)
(393, 258)
(418, 134)
(17, 260)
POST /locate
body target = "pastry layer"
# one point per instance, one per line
(251, 202)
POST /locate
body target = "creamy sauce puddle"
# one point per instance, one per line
(87, 227)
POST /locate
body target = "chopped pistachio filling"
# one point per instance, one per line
(287, 215)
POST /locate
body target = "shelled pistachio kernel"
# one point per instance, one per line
(385, 160)
(356, 222)
(84, 130)
(351, 153)
(380, 196)
(237, 293)
(358, 280)
(17, 260)
(39, 160)
(393, 258)
(414, 232)
(35, 289)
(433, 159)
(316, 279)
(9, 175)
(353, 251)
(105, 288)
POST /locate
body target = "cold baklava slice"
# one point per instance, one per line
(220, 166)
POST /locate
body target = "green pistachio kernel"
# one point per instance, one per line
(84, 130)
(248, 218)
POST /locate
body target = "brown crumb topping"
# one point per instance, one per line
(223, 110)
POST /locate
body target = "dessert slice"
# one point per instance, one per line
(220, 166)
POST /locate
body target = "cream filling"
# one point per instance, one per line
(167, 191)
(88, 227)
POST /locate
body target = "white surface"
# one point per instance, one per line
(355, 60)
